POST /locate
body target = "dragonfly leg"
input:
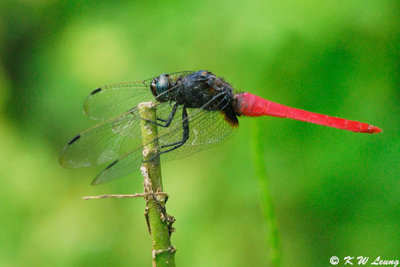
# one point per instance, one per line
(159, 119)
(168, 121)
(185, 135)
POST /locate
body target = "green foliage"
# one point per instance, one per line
(335, 192)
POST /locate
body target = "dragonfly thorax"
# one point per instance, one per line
(200, 89)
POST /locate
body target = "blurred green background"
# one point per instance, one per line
(335, 192)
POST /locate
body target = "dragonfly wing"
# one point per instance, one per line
(121, 167)
(131, 161)
(104, 142)
(206, 129)
(111, 100)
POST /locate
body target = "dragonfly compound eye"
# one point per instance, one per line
(153, 86)
(160, 87)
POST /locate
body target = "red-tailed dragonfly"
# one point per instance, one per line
(195, 111)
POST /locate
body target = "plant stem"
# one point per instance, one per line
(267, 204)
(158, 221)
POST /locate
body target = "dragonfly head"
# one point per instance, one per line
(160, 86)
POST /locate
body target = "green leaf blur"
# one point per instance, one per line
(335, 192)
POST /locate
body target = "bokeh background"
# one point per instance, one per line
(334, 192)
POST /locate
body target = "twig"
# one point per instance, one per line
(158, 221)
(124, 195)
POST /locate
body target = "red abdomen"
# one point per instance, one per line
(251, 105)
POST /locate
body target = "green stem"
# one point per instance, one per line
(158, 221)
(267, 204)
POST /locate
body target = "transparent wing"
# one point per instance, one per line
(103, 142)
(124, 166)
(207, 129)
(108, 140)
(111, 100)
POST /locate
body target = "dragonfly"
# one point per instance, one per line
(195, 111)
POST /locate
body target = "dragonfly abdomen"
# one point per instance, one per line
(252, 105)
